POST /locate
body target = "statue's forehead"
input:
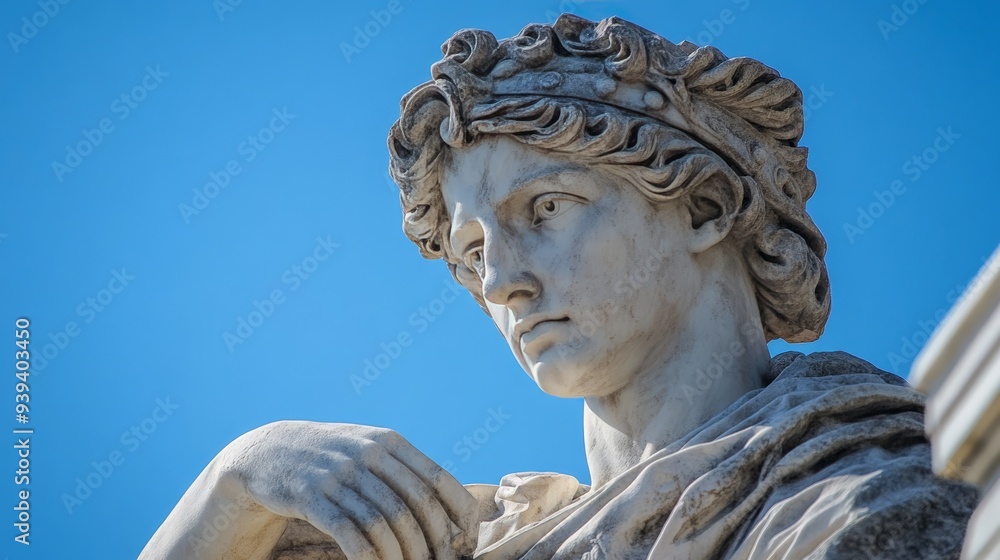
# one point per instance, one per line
(485, 176)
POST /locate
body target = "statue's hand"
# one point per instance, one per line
(375, 494)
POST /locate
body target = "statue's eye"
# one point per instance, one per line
(551, 205)
(473, 260)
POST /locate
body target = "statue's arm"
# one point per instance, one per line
(216, 519)
(366, 488)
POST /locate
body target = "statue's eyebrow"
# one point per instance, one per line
(517, 190)
(543, 174)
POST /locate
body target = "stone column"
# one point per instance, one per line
(959, 370)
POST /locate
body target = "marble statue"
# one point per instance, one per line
(544, 170)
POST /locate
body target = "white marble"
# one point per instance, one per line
(960, 371)
(367, 488)
(584, 232)
(983, 539)
(630, 213)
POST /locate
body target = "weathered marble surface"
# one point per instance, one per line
(829, 460)
(630, 213)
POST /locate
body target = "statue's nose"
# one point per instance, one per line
(507, 276)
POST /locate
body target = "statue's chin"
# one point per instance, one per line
(556, 379)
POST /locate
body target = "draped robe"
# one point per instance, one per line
(827, 460)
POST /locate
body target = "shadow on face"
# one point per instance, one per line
(587, 279)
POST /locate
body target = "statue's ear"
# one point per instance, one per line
(711, 208)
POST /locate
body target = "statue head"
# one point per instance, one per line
(672, 149)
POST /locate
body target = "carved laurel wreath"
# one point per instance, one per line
(670, 118)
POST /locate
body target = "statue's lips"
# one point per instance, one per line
(525, 325)
(541, 333)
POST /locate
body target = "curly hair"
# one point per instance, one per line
(670, 119)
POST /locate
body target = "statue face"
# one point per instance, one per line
(584, 277)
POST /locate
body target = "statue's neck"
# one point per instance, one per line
(716, 356)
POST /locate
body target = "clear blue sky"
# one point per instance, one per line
(100, 240)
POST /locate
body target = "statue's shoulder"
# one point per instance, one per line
(866, 488)
(826, 364)
(880, 502)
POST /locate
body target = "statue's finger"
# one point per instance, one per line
(369, 520)
(422, 501)
(396, 513)
(329, 518)
(462, 507)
